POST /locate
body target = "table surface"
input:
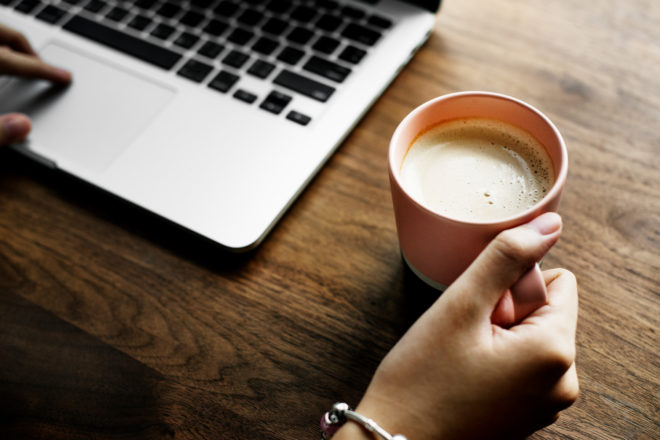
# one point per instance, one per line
(114, 324)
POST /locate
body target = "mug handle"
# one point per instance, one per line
(526, 295)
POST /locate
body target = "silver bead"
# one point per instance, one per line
(340, 407)
(399, 437)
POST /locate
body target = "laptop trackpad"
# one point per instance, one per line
(89, 123)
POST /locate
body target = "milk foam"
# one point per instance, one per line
(477, 169)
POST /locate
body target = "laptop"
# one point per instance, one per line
(214, 114)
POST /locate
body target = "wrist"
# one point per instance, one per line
(399, 412)
(341, 414)
(352, 431)
(371, 421)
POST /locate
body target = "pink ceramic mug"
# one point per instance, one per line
(438, 248)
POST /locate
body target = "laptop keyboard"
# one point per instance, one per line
(306, 47)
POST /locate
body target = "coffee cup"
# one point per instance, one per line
(438, 246)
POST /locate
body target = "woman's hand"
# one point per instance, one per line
(19, 59)
(455, 375)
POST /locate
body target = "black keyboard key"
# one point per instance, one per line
(202, 4)
(326, 45)
(275, 26)
(235, 59)
(216, 27)
(327, 4)
(223, 81)
(275, 102)
(240, 36)
(226, 9)
(163, 31)
(303, 85)
(250, 17)
(361, 34)
(186, 40)
(210, 49)
(351, 12)
(145, 4)
(265, 45)
(278, 6)
(352, 54)
(139, 22)
(261, 69)
(192, 18)
(27, 6)
(300, 35)
(95, 6)
(298, 118)
(378, 21)
(329, 22)
(168, 10)
(195, 70)
(291, 55)
(303, 14)
(51, 14)
(132, 46)
(117, 14)
(327, 69)
(245, 96)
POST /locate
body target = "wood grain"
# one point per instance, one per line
(116, 324)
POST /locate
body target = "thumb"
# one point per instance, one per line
(512, 253)
(13, 128)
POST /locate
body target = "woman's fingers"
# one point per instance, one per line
(502, 263)
(13, 128)
(15, 40)
(30, 66)
(566, 390)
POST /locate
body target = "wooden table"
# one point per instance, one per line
(114, 324)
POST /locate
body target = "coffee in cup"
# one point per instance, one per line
(493, 148)
(477, 169)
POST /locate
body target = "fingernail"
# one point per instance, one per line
(61, 74)
(546, 224)
(15, 127)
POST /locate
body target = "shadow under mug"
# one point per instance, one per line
(438, 248)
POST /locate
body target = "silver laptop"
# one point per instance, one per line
(213, 114)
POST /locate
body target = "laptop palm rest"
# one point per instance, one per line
(86, 125)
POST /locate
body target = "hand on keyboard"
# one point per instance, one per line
(298, 48)
(19, 59)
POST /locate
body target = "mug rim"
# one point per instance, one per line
(552, 194)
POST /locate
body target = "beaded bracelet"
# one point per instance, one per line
(340, 412)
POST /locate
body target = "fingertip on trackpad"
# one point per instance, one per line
(90, 122)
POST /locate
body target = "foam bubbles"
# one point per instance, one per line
(477, 169)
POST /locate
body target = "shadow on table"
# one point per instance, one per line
(56, 381)
(418, 296)
(132, 218)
